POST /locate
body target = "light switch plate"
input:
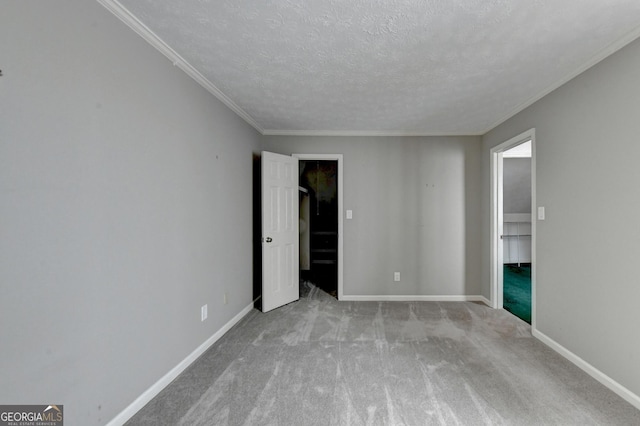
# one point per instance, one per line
(540, 213)
(349, 214)
(203, 313)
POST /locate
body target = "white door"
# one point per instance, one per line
(280, 240)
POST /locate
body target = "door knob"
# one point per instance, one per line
(269, 239)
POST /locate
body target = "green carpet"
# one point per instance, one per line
(517, 291)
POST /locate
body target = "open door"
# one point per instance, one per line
(280, 241)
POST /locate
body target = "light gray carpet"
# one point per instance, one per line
(323, 362)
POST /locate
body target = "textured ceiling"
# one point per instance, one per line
(423, 67)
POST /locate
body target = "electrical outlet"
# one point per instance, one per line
(203, 312)
(396, 276)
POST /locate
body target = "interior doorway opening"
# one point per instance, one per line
(513, 226)
(321, 224)
(516, 230)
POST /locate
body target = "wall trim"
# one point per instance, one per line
(616, 387)
(143, 31)
(414, 298)
(420, 133)
(165, 380)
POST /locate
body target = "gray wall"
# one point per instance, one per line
(588, 179)
(415, 205)
(125, 205)
(517, 185)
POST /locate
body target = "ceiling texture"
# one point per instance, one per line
(381, 67)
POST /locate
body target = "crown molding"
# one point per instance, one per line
(274, 132)
(143, 31)
(598, 57)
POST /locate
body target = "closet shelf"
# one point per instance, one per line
(515, 240)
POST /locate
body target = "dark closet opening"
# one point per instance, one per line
(319, 224)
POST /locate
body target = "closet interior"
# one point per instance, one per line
(319, 223)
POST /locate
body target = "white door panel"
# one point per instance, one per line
(280, 266)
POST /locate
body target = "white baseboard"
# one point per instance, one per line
(616, 387)
(483, 300)
(158, 386)
(414, 298)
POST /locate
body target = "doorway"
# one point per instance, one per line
(513, 226)
(321, 238)
(516, 230)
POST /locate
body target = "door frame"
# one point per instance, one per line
(496, 253)
(339, 159)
